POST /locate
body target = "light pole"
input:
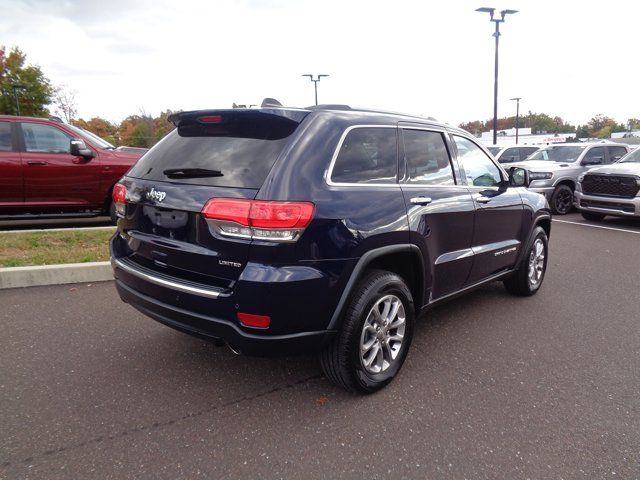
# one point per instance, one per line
(496, 35)
(315, 82)
(15, 88)
(517, 99)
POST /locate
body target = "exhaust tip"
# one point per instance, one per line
(234, 349)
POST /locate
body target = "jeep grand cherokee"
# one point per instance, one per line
(326, 229)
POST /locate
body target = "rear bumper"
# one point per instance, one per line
(621, 207)
(212, 328)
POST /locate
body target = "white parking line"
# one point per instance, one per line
(57, 229)
(597, 226)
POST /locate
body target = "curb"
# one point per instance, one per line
(13, 277)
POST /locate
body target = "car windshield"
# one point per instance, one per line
(632, 157)
(558, 153)
(494, 150)
(92, 137)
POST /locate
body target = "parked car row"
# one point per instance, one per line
(49, 169)
(555, 170)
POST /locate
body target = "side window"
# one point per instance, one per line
(510, 155)
(595, 156)
(479, 170)
(367, 155)
(526, 151)
(45, 138)
(427, 158)
(616, 153)
(5, 137)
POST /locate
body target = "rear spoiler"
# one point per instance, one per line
(235, 115)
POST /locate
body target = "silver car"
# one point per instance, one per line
(512, 154)
(554, 170)
(610, 190)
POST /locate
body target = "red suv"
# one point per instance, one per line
(49, 168)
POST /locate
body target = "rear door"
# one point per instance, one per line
(11, 181)
(224, 154)
(499, 211)
(53, 177)
(440, 209)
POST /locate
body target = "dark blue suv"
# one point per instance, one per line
(327, 229)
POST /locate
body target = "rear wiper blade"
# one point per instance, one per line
(192, 173)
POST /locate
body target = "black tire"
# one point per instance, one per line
(562, 200)
(594, 217)
(520, 282)
(112, 213)
(341, 360)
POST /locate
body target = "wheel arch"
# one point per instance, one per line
(405, 260)
(569, 182)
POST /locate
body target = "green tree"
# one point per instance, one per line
(36, 91)
(634, 123)
(601, 126)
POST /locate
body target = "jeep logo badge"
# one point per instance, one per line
(156, 195)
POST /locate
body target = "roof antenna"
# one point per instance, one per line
(270, 102)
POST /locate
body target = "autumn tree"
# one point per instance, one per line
(100, 127)
(162, 126)
(33, 89)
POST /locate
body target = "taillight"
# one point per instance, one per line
(259, 219)
(119, 196)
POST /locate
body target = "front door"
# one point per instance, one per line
(440, 209)
(497, 236)
(53, 177)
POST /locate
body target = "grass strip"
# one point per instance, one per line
(51, 248)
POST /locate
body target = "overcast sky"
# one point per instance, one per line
(434, 58)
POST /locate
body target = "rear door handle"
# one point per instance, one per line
(483, 199)
(421, 200)
(36, 162)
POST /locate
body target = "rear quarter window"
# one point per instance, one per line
(367, 155)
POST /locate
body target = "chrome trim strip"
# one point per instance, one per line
(470, 252)
(455, 255)
(490, 247)
(164, 283)
(329, 171)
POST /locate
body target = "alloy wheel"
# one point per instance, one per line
(536, 262)
(382, 334)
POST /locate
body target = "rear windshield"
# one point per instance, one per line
(237, 154)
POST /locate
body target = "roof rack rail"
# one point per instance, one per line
(53, 118)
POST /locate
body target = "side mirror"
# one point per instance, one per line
(79, 149)
(519, 177)
(593, 161)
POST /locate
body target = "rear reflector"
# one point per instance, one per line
(259, 219)
(254, 321)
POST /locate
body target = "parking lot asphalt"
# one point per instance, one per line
(494, 387)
